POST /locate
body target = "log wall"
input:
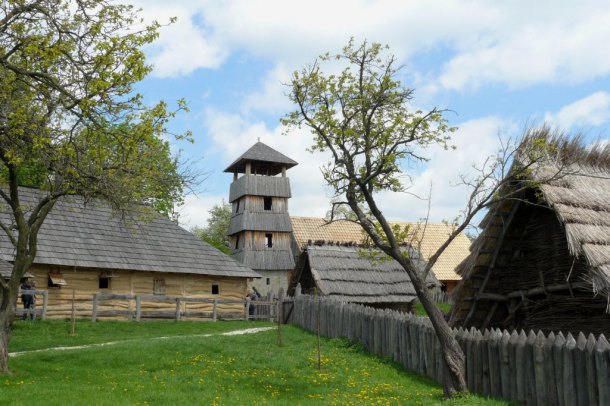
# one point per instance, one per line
(85, 282)
(532, 368)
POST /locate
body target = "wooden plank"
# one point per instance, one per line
(520, 360)
(94, 312)
(549, 370)
(591, 370)
(138, 308)
(569, 371)
(558, 364)
(505, 371)
(580, 367)
(542, 397)
(602, 366)
(530, 376)
(493, 355)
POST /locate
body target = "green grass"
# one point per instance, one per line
(222, 370)
(419, 309)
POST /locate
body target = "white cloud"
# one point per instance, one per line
(195, 211)
(475, 140)
(593, 110)
(518, 43)
(272, 97)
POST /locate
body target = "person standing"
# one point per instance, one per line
(27, 298)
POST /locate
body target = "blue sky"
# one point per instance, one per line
(497, 65)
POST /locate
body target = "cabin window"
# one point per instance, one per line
(269, 240)
(215, 289)
(268, 281)
(55, 280)
(237, 242)
(159, 286)
(104, 282)
(267, 202)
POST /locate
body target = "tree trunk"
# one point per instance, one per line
(7, 313)
(453, 356)
(455, 361)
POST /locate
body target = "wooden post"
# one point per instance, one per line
(73, 316)
(138, 307)
(94, 311)
(45, 303)
(215, 310)
(280, 305)
(247, 310)
(317, 307)
(178, 302)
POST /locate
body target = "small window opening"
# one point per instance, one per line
(159, 286)
(268, 202)
(104, 282)
(215, 289)
(269, 240)
(237, 207)
(237, 242)
(268, 281)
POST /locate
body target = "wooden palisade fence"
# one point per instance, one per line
(532, 368)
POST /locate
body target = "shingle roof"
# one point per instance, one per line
(6, 270)
(314, 229)
(262, 153)
(348, 274)
(91, 235)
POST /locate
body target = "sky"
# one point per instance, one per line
(497, 67)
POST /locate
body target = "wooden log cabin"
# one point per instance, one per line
(360, 275)
(427, 237)
(260, 228)
(89, 249)
(542, 261)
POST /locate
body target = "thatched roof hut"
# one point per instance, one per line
(428, 238)
(542, 260)
(357, 275)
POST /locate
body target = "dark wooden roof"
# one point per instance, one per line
(6, 269)
(263, 157)
(91, 235)
(348, 274)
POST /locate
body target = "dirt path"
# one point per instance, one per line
(78, 347)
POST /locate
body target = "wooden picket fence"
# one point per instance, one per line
(532, 368)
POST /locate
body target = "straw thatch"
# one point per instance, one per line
(357, 275)
(429, 237)
(542, 260)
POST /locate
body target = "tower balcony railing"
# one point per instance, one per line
(257, 185)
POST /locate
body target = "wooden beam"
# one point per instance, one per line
(492, 264)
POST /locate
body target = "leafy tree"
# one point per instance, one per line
(216, 231)
(363, 117)
(70, 122)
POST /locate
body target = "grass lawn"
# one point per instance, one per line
(215, 370)
(419, 309)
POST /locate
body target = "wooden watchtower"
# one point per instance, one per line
(260, 227)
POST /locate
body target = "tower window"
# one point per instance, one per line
(268, 281)
(237, 206)
(269, 240)
(237, 242)
(268, 202)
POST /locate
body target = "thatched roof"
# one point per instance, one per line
(351, 274)
(431, 237)
(262, 156)
(75, 234)
(542, 259)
